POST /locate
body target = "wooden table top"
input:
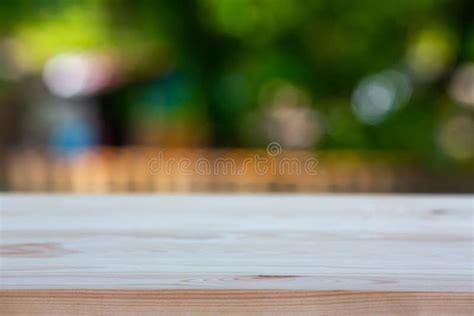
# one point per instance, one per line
(234, 254)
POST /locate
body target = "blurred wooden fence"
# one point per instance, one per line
(141, 170)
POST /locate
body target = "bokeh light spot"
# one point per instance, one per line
(431, 53)
(456, 137)
(462, 85)
(376, 96)
(289, 117)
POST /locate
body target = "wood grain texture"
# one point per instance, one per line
(219, 254)
(232, 302)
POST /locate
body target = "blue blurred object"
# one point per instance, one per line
(73, 136)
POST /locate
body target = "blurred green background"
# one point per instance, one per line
(367, 75)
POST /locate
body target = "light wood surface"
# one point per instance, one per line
(241, 254)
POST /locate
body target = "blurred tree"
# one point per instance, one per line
(230, 51)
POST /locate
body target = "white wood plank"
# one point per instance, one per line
(296, 242)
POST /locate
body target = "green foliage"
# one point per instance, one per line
(230, 49)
